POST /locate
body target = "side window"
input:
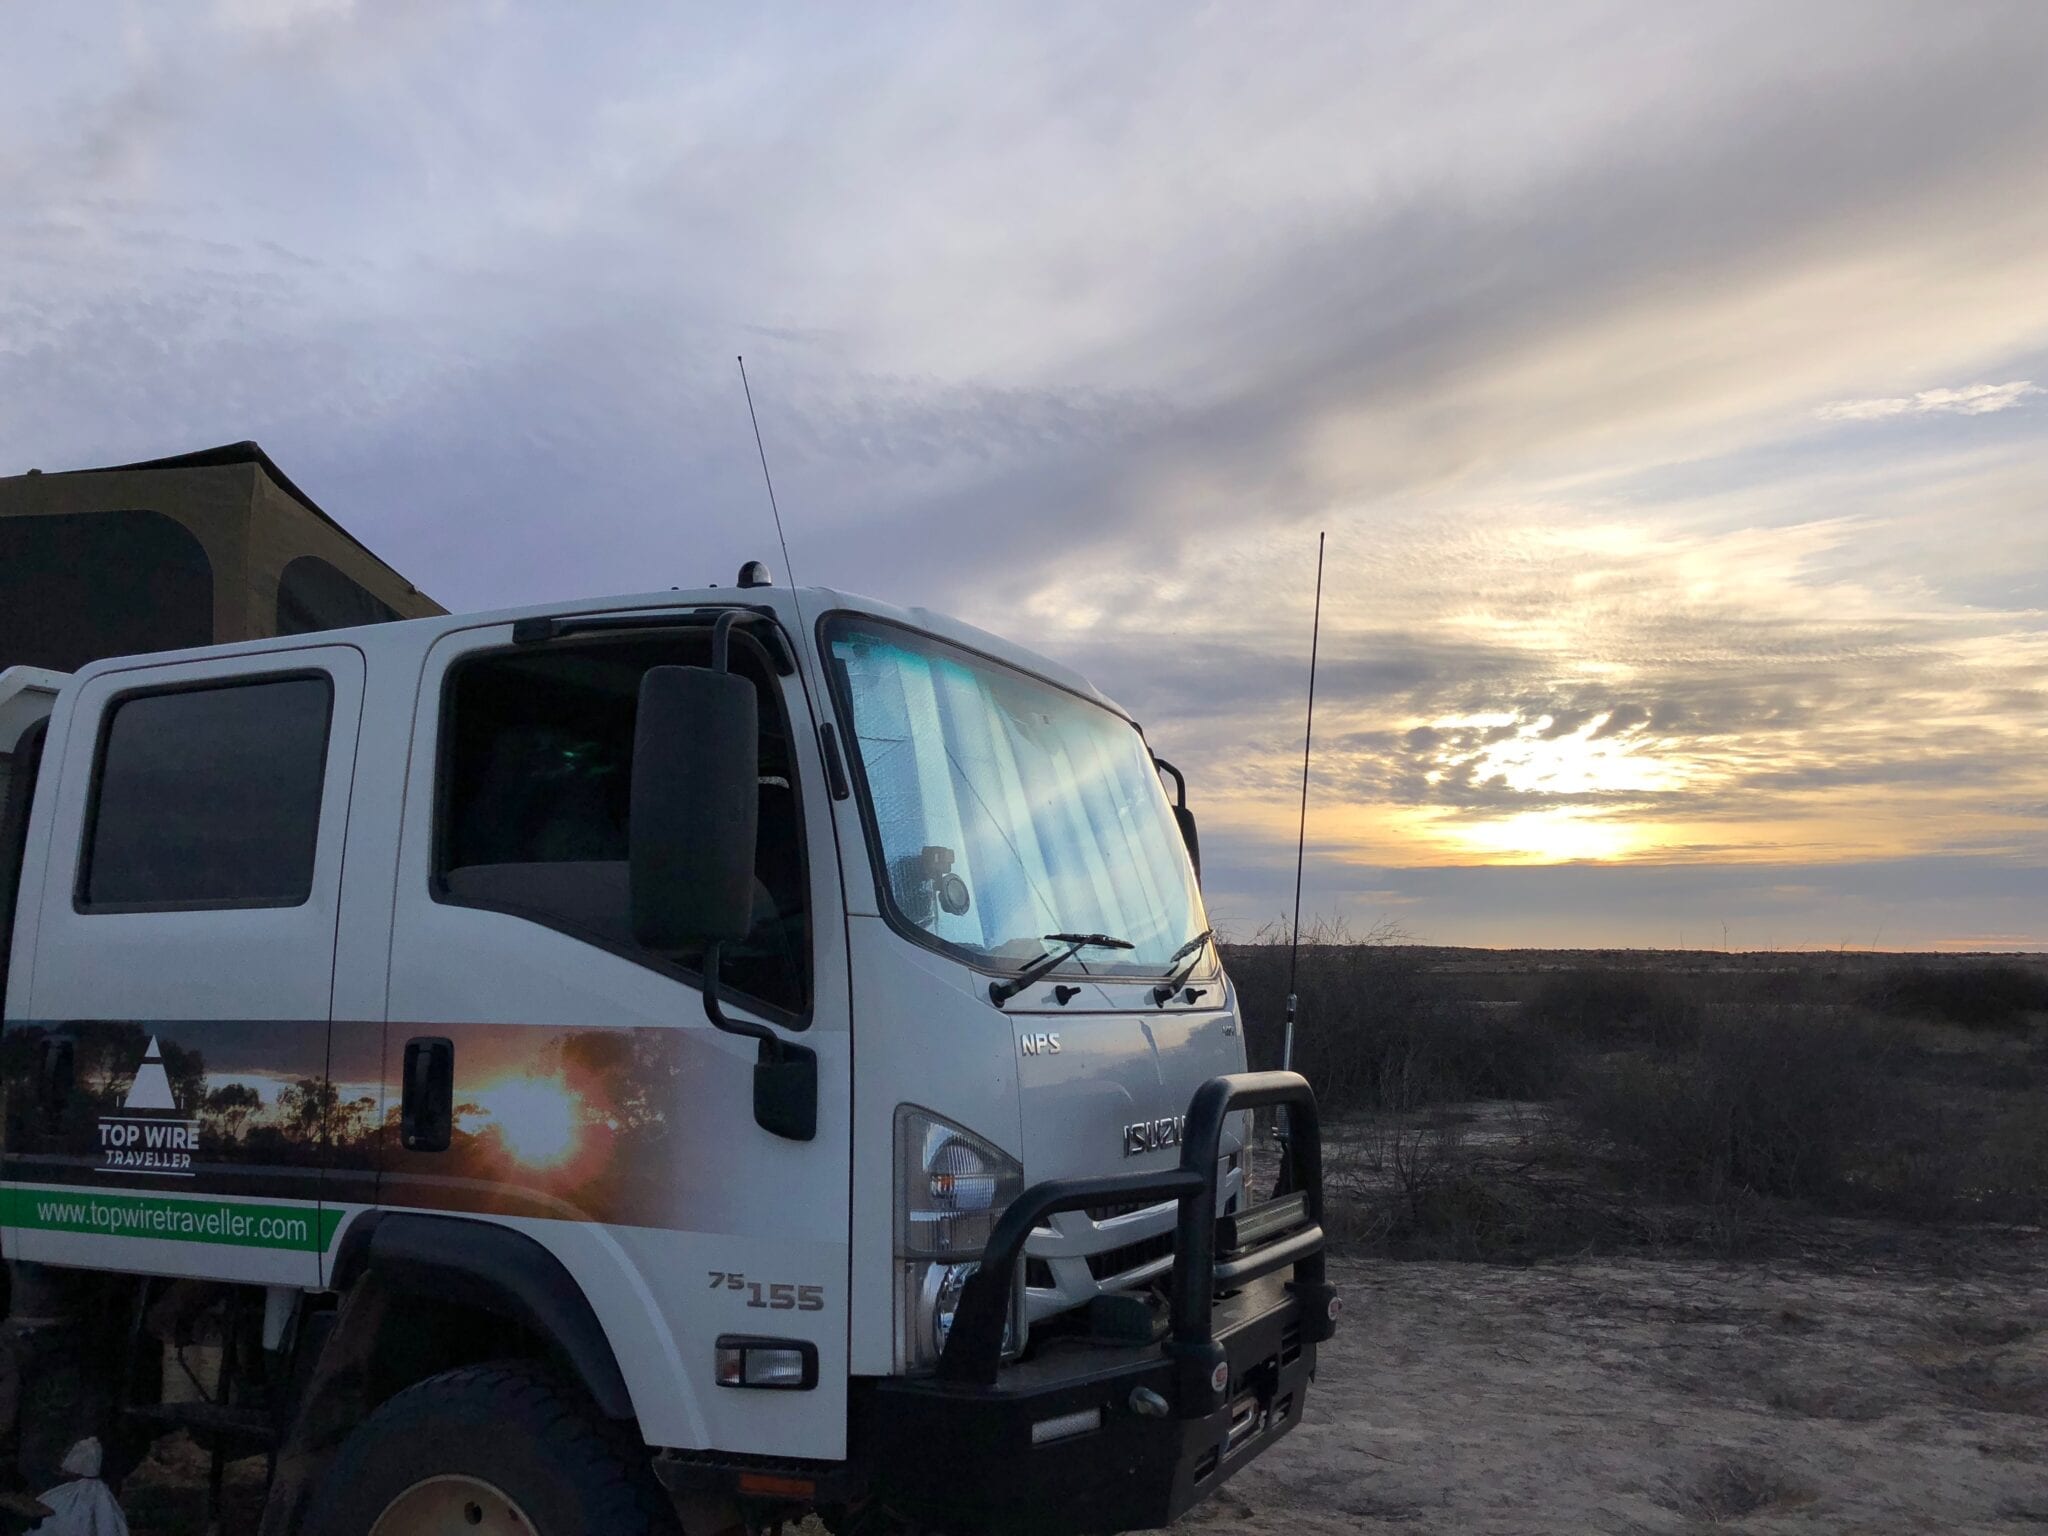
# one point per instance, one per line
(536, 777)
(207, 797)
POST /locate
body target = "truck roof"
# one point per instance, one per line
(797, 607)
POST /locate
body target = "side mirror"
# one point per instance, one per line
(694, 823)
(695, 811)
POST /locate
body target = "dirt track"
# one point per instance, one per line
(1626, 1395)
(1653, 1395)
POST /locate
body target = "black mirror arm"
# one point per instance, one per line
(721, 640)
(714, 1007)
(785, 1074)
(1180, 783)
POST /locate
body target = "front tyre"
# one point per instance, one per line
(505, 1449)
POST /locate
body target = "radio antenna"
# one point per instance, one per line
(1315, 635)
(788, 569)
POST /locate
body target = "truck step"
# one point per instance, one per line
(250, 1429)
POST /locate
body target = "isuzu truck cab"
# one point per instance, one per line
(670, 1063)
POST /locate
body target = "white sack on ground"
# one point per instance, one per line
(85, 1506)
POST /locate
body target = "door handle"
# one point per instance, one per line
(426, 1119)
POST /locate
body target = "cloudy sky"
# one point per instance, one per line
(1672, 382)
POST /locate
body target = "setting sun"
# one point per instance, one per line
(1544, 837)
(537, 1117)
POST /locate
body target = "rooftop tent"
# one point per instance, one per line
(193, 550)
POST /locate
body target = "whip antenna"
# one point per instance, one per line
(788, 569)
(1301, 835)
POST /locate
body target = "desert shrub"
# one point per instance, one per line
(1784, 985)
(1416, 1187)
(1605, 1005)
(1766, 1102)
(1996, 995)
(1465, 1214)
(1977, 1156)
(1377, 1031)
(1735, 1486)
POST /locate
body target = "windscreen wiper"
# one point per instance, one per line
(1000, 992)
(1175, 980)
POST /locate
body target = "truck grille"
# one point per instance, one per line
(1106, 1265)
(1080, 1255)
(1111, 1212)
(1117, 1261)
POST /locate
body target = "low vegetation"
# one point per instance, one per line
(1384, 1033)
(1511, 1106)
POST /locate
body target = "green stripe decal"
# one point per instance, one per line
(295, 1228)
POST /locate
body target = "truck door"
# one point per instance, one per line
(591, 1104)
(169, 1105)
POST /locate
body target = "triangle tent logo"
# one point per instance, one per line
(152, 1086)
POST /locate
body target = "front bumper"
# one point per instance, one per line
(1092, 1437)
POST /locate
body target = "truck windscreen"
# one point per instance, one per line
(1004, 808)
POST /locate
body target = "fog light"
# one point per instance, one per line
(776, 1365)
(1066, 1426)
(943, 1287)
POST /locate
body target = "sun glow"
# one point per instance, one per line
(1546, 837)
(537, 1117)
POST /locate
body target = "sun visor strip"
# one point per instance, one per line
(761, 626)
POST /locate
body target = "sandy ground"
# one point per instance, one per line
(1651, 1395)
(1623, 1395)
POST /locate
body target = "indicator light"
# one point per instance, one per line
(779, 1365)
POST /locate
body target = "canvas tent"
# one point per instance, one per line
(205, 547)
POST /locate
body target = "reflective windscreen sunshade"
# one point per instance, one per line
(1008, 809)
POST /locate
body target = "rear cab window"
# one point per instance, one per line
(207, 797)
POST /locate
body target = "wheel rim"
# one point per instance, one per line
(453, 1506)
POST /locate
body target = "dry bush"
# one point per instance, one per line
(1734, 1487)
(1376, 1031)
(1996, 995)
(1783, 985)
(1770, 1102)
(1847, 1402)
(1993, 1382)
(1430, 1185)
(1717, 1108)
(1417, 1191)
(1607, 1006)
(1980, 1156)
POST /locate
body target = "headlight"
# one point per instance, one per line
(951, 1188)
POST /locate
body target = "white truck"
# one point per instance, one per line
(668, 1063)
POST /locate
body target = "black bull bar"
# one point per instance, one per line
(974, 1346)
(1099, 1435)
